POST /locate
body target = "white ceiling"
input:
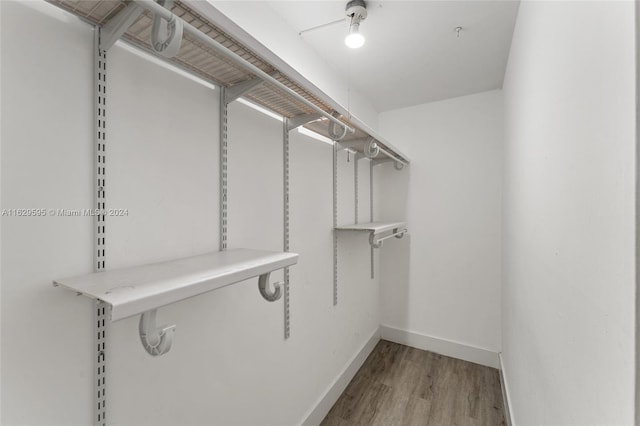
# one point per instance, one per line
(412, 55)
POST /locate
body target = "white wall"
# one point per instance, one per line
(47, 365)
(229, 363)
(441, 288)
(568, 300)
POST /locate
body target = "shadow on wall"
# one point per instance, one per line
(395, 255)
(395, 265)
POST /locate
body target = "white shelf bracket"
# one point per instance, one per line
(118, 25)
(155, 340)
(338, 134)
(166, 34)
(237, 90)
(267, 294)
(396, 164)
(377, 161)
(351, 144)
(301, 120)
(371, 149)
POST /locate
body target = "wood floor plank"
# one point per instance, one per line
(399, 385)
(399, 409)
(383, 363)
(332, 420)
(360, 401)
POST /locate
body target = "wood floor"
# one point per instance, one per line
(399, 385)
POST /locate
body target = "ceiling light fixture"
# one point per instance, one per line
(356, 12)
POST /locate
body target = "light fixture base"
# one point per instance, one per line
(356, 10)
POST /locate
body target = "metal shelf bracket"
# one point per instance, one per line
(166, 34)
(301, 120)
(156, 340)
(118, 25)
(237, 90)
(371, 150)
(338, 134)
(263, 286)
(351, 144)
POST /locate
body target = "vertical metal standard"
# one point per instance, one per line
(100, 139)
(335, 223)
(355, 184)
(223, 170)
(100, 414)
(371, 210)
(285, 179)
(370, 190)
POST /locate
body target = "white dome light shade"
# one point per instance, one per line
(354, 39)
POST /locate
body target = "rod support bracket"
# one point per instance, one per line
(377, 242)
(371, 149)
(166, 35)
(267, 294)
(156, 340)
(337, 134)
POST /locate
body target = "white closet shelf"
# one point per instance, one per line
(374, 227)
(219, 51)
(135, 290)
(378, 231)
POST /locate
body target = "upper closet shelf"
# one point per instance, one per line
(378, 231)
(136, 290)
(217, 50)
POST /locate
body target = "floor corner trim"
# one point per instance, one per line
(326, 401)
(506, 399)
(441, 346)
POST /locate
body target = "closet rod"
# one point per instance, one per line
(169, 16)
(392, 156)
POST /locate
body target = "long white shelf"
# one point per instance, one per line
(374, 227)
(132, 291)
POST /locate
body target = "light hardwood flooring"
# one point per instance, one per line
(399, 385)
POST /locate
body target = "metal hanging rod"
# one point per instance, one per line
(170, 17)
(393, 156)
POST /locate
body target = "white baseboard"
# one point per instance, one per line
(324, 404)
(441, 346)
(506, 399)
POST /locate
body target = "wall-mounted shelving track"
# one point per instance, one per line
(378, 231)
(213, 54)
(183, 33)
